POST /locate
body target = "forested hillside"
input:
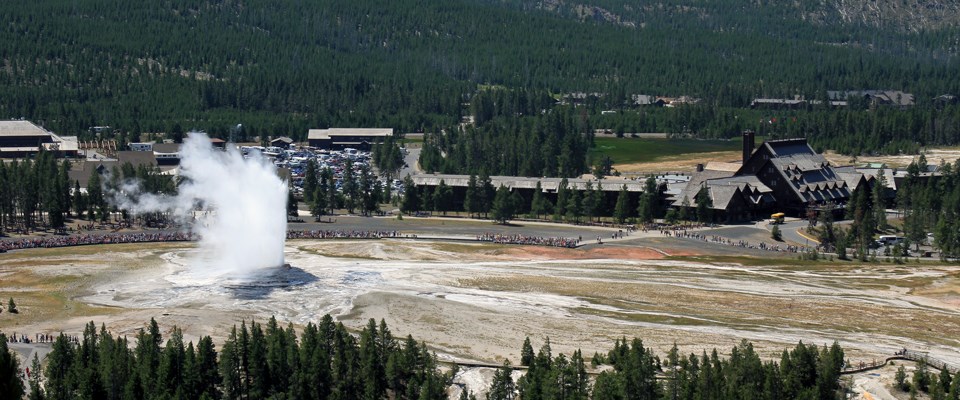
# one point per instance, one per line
(282, 66)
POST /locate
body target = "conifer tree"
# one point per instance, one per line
(622, 210)
(310, 181)
(503, 207)
(470, 201)
(704, 205)
(10, 384)
(502, 387)
(411, 197)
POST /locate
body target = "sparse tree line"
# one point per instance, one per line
(804, 372)
(324, 191)
(574, 205)
(926, 205)
(939, 386)
(34, 192)
(38, 192)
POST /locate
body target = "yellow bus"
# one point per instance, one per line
(777, 218)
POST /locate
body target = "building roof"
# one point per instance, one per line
(723, 190)
(785, 102)
(166, 147)
(82, 172)
(137, 158)
(283, 139)
(518, 182)
(326, 134)
(643, 99)
(21, 128)
(810, 175)
(895, 97)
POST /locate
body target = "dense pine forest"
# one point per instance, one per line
(325, 360)
(279, 67)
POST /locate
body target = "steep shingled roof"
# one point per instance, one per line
(810, 175)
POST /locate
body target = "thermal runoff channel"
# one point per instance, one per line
(236, 204)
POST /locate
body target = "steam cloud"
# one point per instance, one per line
(242, 222)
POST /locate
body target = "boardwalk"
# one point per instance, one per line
(904, 355)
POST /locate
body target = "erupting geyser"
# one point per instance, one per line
(237, 206)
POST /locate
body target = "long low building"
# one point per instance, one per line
(547, 185)
(343, 138)
(24, 139)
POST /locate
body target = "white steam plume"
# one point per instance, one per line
(246, 229)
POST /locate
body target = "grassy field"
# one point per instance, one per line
(630, 150)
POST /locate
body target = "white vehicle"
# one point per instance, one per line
(889, 240)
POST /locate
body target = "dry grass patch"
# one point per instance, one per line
(666, 303)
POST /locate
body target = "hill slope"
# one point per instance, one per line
(280, 66)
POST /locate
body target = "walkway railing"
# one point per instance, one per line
(906, 355)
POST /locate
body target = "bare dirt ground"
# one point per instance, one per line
(934, 157)
(679, 163)
(688, 162)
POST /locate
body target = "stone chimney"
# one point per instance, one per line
(748, 144)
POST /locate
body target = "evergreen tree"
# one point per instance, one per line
(526, 353)
(319, 207)
(684, 213)
(97, 204)
(503, 207)
(292, 204)
(649, 207)
(539, 205)
(310, 181)
(12, 307)
(900, 378)
(878, 194)
(608, 386)
(369, 192)
(704, 205)
(502, 387)
(411, 198)
(10, 384)
(60, 364)
(574, 207)
(350, 187)
(36, 376)
(622, 210)
(563, 194)
(471, 203)
(443, 198)
(486, 193)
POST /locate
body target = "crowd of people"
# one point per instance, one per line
(143, 237)
(341, 234)
(90, 239)
(39, 338)
(529, 240)
(685, 234)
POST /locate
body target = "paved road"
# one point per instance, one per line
(411, 158)
(790, 232)
(26, 352)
